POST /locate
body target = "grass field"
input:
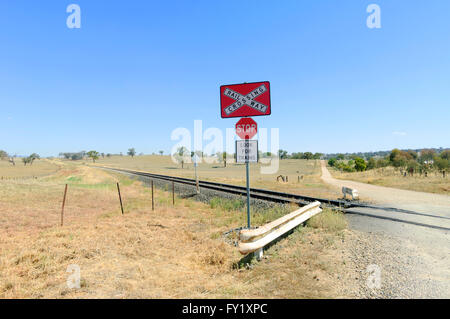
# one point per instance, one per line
(172, 252)
(389, 177)
(309, 172)
(39, 168)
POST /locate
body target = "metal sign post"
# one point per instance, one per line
(244, 100)
(248, 186)
(247, 152)
(196, 176)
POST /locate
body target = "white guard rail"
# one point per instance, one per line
(252, 240)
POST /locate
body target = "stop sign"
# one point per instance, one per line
(246, 128)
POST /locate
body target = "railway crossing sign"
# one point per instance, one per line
(246, 99)
(246, 128)
(246, 151)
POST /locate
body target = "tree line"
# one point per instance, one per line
(421, 161)
(94, 155)
(25, 159)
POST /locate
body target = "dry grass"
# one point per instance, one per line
(390, 177)
(19, 171)
(173, 252)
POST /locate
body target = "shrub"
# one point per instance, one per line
(360, 164)
(371, 164)
(332, 161)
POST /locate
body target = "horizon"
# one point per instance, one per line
(134, 73)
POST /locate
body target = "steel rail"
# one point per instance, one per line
(257, 193)
(270, 195)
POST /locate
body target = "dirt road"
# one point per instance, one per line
(405, 199)
(412, 249)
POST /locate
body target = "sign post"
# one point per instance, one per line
(245, 100)
(248, 191)
(196, 176)
(247, 152)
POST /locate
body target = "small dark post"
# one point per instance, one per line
(63, 204)
(173, 193)
(153, 202)
(120, 198)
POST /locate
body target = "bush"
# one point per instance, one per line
(332, 162)
(360, 164)
(371, 164)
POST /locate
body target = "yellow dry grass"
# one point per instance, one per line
(172, 252)
(39, 168)
(389, 177)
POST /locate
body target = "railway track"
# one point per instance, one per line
(270, 195)
(346, 206)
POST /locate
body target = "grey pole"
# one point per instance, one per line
(196, 176)
(248, 186)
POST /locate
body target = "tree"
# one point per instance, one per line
(224, 157)
(103, 155)
(26, 160)
(441, 163)
(427, 155)
(3, 154)
(161, 153)
(446, 155)
(371, 164)
(298, 155)
(360, 164)
(332, 161)
(307, 155)
(340, 157)
(181, 154)
(131, 152)
(317, 156)
(33, 157)
(93, 154)
(282, 154)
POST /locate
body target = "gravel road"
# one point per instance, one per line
(414, 259)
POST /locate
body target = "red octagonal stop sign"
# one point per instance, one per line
(246, 128)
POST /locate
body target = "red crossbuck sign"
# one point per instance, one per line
(246, 128)
(247, 99)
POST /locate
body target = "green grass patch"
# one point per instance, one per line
(226, 204)
(328, 219)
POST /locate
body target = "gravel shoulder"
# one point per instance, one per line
(414, 261)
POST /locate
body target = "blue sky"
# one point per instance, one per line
(136, 70)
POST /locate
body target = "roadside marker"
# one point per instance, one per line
(63, 204)
(120, 198)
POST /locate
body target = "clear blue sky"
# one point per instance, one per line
(136, 70)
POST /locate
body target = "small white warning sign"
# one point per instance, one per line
(246, 151)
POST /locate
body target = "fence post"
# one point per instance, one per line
(153, 201)
(63, 204)
(120, 197)
(173, 193)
